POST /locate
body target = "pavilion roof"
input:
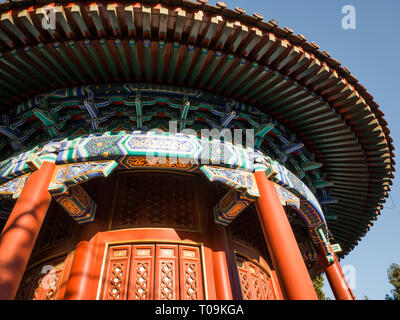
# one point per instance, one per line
(213, 48)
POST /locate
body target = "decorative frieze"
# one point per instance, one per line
(98, 155)
(71, 174)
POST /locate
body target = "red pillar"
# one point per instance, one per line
(22, 228)
(337, 282)
(81, 276)
(285, 253)
(220, 251)
(79, 282)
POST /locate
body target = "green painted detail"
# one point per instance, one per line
(58, 46)
(187, 61)
(227, 62)
(135, 59)
(242, 77)
(122, 58)
(160, 59)
(85, 64)
(95, 57)
(147, 59)
(22, 84)
(107, 55)
(173, 60)
(24, 62)
(198, 65)
(240, 65)
(210, 67)
(34, 56)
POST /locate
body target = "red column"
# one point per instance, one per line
(220, 251)
(285, 253)
(81, 276)
(337, 282)
(22, 228)
(79, 282)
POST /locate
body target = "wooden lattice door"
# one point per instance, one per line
(42, 282)
(256, 283)
(153, 271)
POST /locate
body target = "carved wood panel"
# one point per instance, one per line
(153, 271)
(58, 227)
(118, 273)
(142, 270)
(43, 281)
(155, 199)
(167, 273)
(191, 279)
(256, 283)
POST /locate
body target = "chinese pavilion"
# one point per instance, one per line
(99, 199)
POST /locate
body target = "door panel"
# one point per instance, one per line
(141, 274)
(191, 281)
(167, 273)
(42, 282)
(256, 284)
(153, 271)
(116, 284)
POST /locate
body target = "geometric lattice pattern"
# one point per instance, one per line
(155, 199)
(246, 230)
(256, 284)
(153, 271)
(57, 227)
(43, 281)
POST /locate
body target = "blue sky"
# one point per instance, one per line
(371, 53)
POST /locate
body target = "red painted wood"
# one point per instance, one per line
(80, 274)
(220, 253)
(153, 271)
(256, 284)
(285, 254)
(141, 280)
(338, 283)
(190, 273)
(117, 273)
(167, 272)
(22, 228)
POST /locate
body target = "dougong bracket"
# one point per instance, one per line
(244, 191)
(328, 249)
(79, 205)
(67, 175)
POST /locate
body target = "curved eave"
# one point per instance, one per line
(220, 50)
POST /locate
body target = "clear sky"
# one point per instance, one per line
(372, 53)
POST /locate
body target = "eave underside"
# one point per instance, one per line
(217, 50)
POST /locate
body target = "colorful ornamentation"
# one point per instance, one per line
(289, 181)
(244, 191)
(14, 187)
(97, 155)
(286, 197)
(78, 204)
(138, 162)
(230, 206)
(71, 174)
(239, 180)
(178, 147)
(95, 109)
